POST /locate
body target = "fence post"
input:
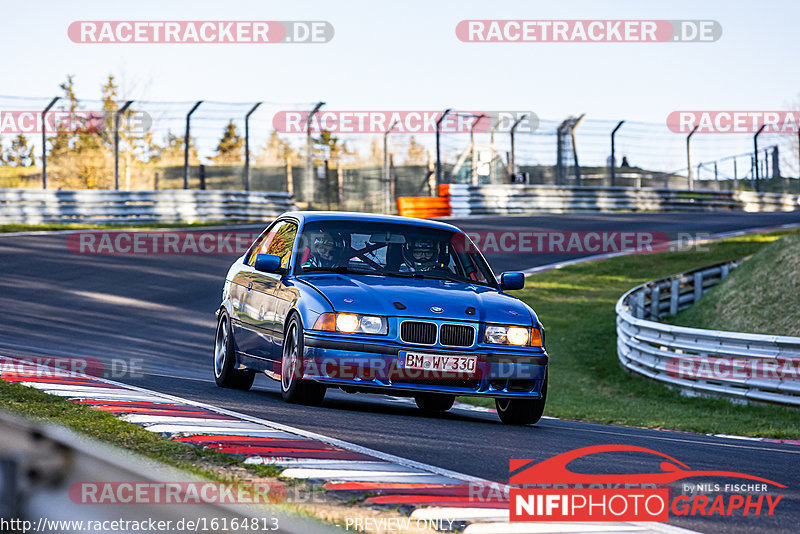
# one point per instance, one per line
(560, 152)
(387, 188)
(735, 175)
(44, 141)
(308, 182)
(202, 177)
(689, 157)
(574, 125)
(392, 181)
(438, 150)
(755, 152)
(186, 146)
(776, 162)
(289, 177)
(613, 156)
(247, 146)
(119, 112)
(512, 163)
(340, 186)
(432, 187)
(328, 184)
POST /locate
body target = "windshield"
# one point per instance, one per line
(390, 249)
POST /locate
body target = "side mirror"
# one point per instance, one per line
(512, 281)
(268, 263)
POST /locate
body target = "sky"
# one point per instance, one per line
(405, 55)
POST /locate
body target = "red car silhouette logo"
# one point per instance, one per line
(554, 470)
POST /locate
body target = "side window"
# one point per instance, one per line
(277, 241)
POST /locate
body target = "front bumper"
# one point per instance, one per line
(363, 364)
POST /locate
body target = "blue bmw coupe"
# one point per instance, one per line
(379, 304)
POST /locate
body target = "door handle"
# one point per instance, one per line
(250, 286)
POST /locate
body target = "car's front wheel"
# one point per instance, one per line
(433, 402)
(225, 372)
(293, 388)
(522, 411)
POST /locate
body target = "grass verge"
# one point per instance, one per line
(35, 405)
(761, 296)
(576, 305)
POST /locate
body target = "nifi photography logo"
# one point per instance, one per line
(550, 491)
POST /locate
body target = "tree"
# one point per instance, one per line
(230, 150)
(79, 155)
(19, 154)
(275, 151)
(334, 149)
(416, 153)
(172, 152)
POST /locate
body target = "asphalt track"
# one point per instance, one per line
(158, 310)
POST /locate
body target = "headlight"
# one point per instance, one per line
(351, 323)
(520, 336)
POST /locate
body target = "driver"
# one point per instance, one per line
(421, 254)
(322, 251)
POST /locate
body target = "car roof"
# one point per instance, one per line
(309, 216)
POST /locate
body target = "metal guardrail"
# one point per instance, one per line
(466, 200)
(32, 206)
(43, 465)
(697, 361)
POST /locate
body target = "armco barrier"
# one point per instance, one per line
(40, 464)
(32, 206)
(465, 200)
(711, 362)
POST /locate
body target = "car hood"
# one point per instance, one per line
(376, 295)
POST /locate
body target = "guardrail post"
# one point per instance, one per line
(755, 153)
(674, 293)
(247, 146)
(689, 157)
(44, 141)
(186, 146)
(613, 156)
(698, 286)
(655, 301)
(117, 115)
(438, 150)
(639, 311)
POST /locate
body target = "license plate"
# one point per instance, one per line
(438, 362)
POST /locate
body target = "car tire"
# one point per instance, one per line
(226, 374)
(293, 388)
(521, 411)
(434, 402)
